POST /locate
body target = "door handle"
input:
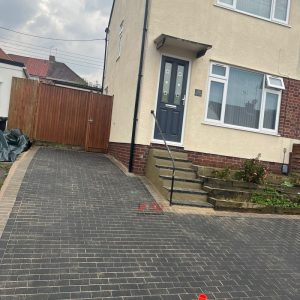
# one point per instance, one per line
(183, 100)
(90, 120)
(171, 106)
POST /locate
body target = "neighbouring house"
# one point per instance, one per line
(8, 70)
(48, 70)
(223, 77)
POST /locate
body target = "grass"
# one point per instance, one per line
(270, 197)
(4, 169)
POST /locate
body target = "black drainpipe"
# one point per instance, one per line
(138, 90)
(106, 34)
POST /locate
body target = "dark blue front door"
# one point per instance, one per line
(171, 98)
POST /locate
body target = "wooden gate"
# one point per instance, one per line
(60, 115)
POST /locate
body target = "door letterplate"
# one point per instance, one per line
(171, 106)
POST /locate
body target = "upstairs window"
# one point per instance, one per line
(240, 98)
(273, 10)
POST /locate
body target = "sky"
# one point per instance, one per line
(63, 19)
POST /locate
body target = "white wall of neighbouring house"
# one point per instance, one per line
(237, 39)
(122, 65)
(7, 72)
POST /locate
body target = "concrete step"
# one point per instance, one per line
(178, 163)
(188, 194)
(165, 153)
(186, 174)
(193, 203)
(189, 170)
(241, 195)
(181, 182)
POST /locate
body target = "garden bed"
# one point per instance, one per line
(271, 194)
(232, 205)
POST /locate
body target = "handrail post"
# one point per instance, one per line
(170, 154)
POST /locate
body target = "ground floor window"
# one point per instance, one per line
(244, 99)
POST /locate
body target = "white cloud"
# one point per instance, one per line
(76, 19)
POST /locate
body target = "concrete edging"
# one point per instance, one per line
(12, 184)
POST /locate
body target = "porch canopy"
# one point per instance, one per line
(165, 40)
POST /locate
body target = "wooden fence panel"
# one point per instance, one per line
(99, 120)
(22, 106)
(60, 115)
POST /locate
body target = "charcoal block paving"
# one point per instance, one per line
(75, 233)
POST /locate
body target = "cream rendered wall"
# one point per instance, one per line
(122, 73)
(237, 39)
(7, 72)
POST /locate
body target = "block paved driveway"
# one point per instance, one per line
(74, 233)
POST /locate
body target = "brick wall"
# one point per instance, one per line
(219, 161)
(289, 121)
(122, 151)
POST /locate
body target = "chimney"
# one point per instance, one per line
(52, 58)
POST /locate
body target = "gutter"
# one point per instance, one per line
(105, 54)
(138, 90)
(106, 40)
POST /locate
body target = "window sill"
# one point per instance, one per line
(160, 142)
(253, 16)
(209, 123)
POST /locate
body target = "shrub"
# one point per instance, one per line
(252, 171)
(222, 174)
(271, 197)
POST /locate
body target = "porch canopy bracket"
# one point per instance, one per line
(165, 40)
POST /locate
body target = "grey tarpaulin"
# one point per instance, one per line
(12, 143)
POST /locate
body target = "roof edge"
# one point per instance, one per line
(12, 63)
(74, 84)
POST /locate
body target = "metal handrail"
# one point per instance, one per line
(170, 154)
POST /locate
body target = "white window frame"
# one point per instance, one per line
(225, 80)
(263, 106)
(216, 75)
(272, 12)
(270, 85)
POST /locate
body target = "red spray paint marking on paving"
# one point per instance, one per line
(202, 297)
(149, 208)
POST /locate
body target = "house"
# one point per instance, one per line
(223, 77)
(8, 70)
(48, 70)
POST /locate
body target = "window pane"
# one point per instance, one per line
(275, 81)
(166, 84)
(243, 98)
(281, 8)
(215, 100)
(230, 2)
(270, 111)
(178, 88)
(219, 70)
(260, 8)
